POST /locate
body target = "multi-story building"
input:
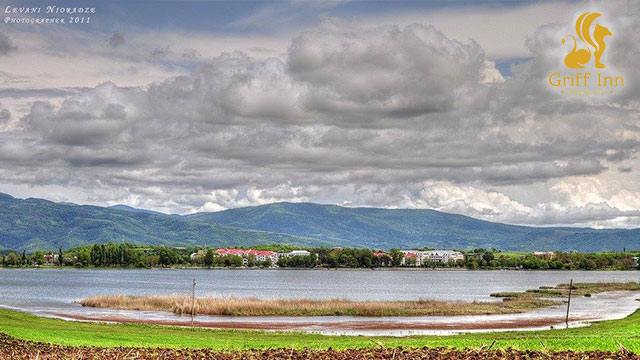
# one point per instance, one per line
(295, 253)
(431, 256)
(259, 255)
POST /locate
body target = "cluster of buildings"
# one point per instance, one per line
(51, 258)
(410, 257)
(257, 255)
(420, 258)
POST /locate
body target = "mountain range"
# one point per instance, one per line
(30, 224)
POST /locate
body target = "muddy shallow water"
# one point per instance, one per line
(605, 306)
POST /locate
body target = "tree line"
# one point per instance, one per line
(493, 259)
(132, 256)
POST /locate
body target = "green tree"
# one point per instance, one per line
(38, 258)
(283, 261)
(168, 256)
(209, 258)
(487, 257)
(83, 257)
(96, 255)
(396, 257)
(251, 261)
(60, 257)
(12, 259)
(384, 260)
(267, 263)
(233, 260)
(151, 260)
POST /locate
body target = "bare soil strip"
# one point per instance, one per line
(14, 349)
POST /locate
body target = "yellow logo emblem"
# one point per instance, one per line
(591, 38)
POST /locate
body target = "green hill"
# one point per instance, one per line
(40, 224)
(415, 228)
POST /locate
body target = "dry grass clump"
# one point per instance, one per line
(234, 306)
(594, 288)
(513, 302)
(578, 289)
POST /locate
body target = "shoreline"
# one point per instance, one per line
(418, 269)
(498, 325)
(610, 335)
(585, 312)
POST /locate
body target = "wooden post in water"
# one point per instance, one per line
(566, 320)
(193, 301)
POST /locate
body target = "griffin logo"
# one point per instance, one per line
(591, 38)
(584, 72)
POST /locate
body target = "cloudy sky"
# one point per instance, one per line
(203, 106)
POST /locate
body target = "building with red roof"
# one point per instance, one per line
(259, 255)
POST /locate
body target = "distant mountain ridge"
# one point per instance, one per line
(41, 224)
(132, 209)
(36, 224)
(416, 228)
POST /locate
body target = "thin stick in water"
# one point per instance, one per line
(566, 320)
(193, 301)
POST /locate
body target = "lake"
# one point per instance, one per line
(60, 287)
(54, 291)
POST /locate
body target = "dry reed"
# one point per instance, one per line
(234, 306)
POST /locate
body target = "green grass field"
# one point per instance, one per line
(606, 335)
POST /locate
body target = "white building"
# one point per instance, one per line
(544, 254)
(433, 256)
(295, 253)
(299, 253)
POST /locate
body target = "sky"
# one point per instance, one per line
(192, 106)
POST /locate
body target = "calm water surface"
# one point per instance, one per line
(57, 289)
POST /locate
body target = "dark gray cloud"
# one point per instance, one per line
(190, 54)
(160, 53)
(116, 40)
(384, 72)
(5, 116)
(6, 45)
